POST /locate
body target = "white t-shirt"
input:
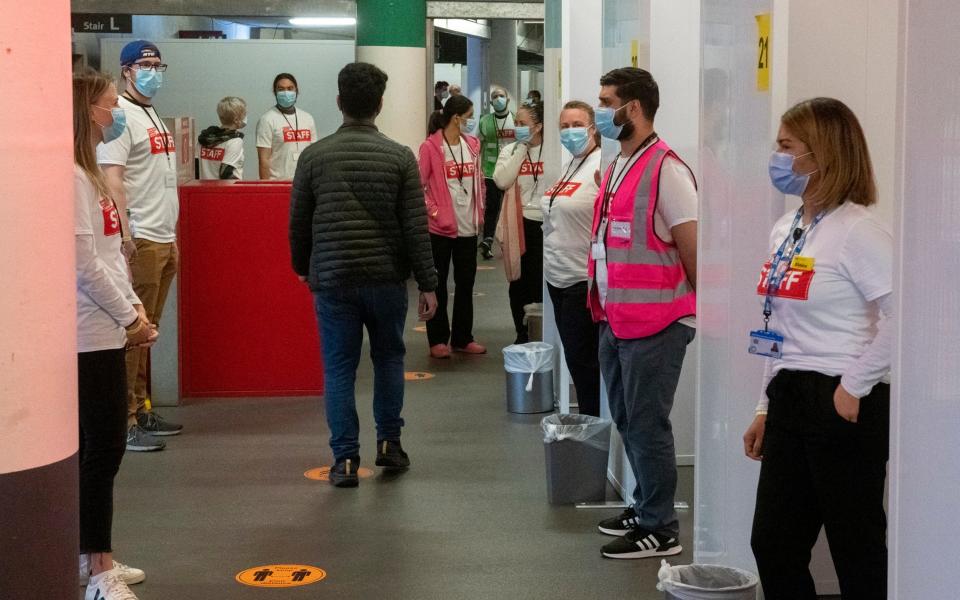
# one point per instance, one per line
(229, 153)
(288, 136)
(678, 204)
(458, 163)
(105, 298)
(150, 173)
(567, 223)
(828, 316)
(506, 130)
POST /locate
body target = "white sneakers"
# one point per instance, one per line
(108, 585)
(129, 575)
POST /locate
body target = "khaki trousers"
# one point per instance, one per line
(153, 269)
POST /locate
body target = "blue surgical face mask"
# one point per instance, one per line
(115, 130)
(286, 98)
(148, 82)
(575, 139)
(468, 125)
(523, 133)
(605, 125)
(499, 103)
(784, 178)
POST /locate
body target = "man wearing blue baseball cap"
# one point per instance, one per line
(141, 169)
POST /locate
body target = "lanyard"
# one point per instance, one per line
(460, 165)
(296, 127)
(533, 169)
(160, 127)
(565, 180)
(500, 129)
(614, 184)
(775, 276)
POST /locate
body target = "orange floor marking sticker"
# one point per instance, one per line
(485, 268)
(420, 328)
(417, 376)
(281, 576)
(323, 473)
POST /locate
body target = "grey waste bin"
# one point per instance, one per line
(529, 377)
(576, 448)
(706, 582)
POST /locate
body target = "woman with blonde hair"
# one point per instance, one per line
(567, 209)
(821, 428)
(109, 317)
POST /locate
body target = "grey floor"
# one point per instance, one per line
(469, 520)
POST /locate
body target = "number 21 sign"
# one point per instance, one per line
(763, 52)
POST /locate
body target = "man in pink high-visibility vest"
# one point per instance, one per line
(642, 277)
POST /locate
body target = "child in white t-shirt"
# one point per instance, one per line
(221, 148)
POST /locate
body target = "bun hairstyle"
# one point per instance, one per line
(456, 106)
(535, 109)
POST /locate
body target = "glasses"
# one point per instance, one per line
(160, 68)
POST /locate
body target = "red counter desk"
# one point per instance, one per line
(246, 323)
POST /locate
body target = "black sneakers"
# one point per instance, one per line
(620, 525)
(390, 454)
(638, 543)
(344, 472)
(486, 249)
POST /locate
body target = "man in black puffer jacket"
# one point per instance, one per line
(358, 227)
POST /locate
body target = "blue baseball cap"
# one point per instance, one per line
(137, 50)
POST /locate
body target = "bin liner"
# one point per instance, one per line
(706, 582)
(533, 357)
(580, 428)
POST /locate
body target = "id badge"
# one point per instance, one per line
(598, 251)
(620, 230)
(766, 343)
(170, 180)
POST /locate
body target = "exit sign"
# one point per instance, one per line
(100, 23)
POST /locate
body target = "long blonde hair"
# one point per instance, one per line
(88, 87)
(833, 134)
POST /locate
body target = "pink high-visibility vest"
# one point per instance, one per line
(647, 284)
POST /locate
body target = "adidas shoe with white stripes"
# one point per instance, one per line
(642, 544)
(620, 525)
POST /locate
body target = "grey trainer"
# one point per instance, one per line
(139, 440)
(154, 424)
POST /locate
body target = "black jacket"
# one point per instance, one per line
(357, 215)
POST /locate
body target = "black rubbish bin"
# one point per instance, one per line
(576, 449)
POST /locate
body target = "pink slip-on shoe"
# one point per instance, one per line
(472, 348)
(440, 351)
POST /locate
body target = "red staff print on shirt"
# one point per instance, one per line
(296, 135)
(215, 154)
(529, 169)
(111, 218)
(156, 141)
(453, 169)
(794, 286)
(506, 133)
(565, 190)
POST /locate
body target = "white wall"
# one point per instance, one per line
(454, 74)
(925, 412)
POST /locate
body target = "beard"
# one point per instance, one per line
(627, 132)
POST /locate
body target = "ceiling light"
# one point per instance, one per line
(323, 21)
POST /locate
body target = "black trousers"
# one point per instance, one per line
(102, 387)
(529, 288)
(581, 343)
(463, 252)
(820, 470)
(491, 214)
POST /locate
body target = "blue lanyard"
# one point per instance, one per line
(775, 277)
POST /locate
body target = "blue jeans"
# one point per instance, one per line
(342, 314)
(641, 377)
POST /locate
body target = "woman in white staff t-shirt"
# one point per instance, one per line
(822, 425)
(519, 173)
(283, 132)
(567, 208)
(109, 317)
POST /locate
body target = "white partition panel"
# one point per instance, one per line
(204, 71)
(925, 415)
(738, 208)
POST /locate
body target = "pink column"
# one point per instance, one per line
(38, 378)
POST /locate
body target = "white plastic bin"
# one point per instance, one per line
(706, 582)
